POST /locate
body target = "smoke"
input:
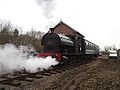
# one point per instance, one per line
(16, 59)
(48, 6)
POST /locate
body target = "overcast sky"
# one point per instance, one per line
(97, 20)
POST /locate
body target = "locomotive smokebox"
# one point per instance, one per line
(52, 42)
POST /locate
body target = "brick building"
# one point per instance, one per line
(62, 28)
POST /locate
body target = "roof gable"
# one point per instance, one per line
(61, 22)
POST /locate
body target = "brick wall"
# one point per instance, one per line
(63, 29)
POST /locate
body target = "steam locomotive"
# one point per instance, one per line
(66, 47)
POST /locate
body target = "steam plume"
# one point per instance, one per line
(14, 59)
(48, 6)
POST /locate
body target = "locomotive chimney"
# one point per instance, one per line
(51, 30)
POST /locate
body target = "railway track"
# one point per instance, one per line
(28, 77)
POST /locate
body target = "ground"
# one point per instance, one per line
(100, 74)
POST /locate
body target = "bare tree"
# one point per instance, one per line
(113, 47)
(35, 34)
(12, 35)
(16, 32)
(108, 48)
(32, 32)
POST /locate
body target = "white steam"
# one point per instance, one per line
(16, 59)
(48, 6)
